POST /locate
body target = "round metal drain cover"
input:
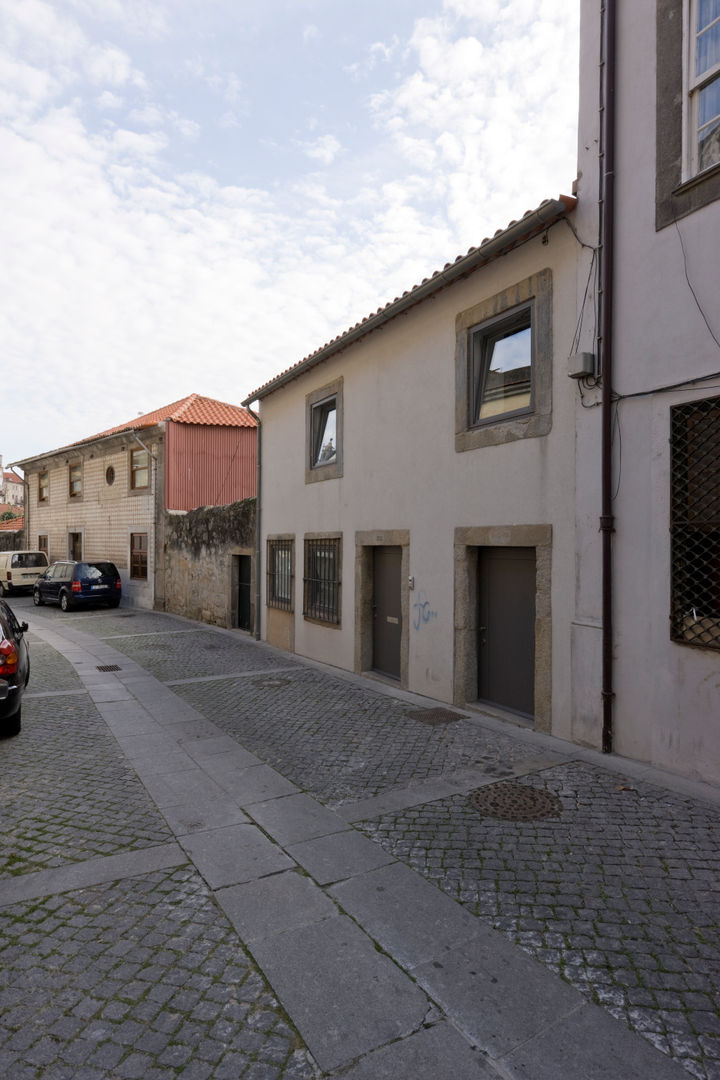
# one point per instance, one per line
(515, 802)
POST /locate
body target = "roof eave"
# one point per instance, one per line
(518, 232)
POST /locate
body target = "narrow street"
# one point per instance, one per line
(221, 861)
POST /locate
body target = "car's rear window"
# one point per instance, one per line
(96, 570)
(28, 560)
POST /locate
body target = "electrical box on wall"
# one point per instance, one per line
(581, 364)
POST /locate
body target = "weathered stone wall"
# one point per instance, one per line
(12, 541)
(202, 550)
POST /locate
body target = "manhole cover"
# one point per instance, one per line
(108, 667)
(515, 802)
(435, 716)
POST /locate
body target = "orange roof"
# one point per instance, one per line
(532, 223)
(193, 409)
(13, 525)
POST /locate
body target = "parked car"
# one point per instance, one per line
(20, 570)
(71, 584)
(14, 669)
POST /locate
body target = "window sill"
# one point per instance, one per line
(322, 622)
(697, 181)
(499, 432)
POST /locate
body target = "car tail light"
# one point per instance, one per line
(76, 586)
(9, 658)
(118, 583)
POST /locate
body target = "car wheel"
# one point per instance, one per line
(113, 603)
(64, 601)
(11, 726)
(37, 598)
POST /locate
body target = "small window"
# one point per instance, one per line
(139, 555)
(695, 523)
(321, 582)
(324, 433)
(43, 487)
(110, 476)
(704, 84)
(42, 543)
(280, 574)
(75, 481)
(501, 368)
(139, 469)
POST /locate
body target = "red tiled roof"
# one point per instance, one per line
(532, 223)
(12, 478)
(193, 409)
(13, 525)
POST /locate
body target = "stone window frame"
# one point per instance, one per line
(43, 486)
(677, 193)
(333, 470)
(535, 292)
(133, 470)
(75, 480)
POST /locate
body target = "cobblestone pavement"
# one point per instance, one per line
(139, 979)
(617, 893)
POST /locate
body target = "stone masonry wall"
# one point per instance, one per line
(201, 575)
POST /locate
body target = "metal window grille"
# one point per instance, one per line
(322, 580)
(280, 574)
(695, 523)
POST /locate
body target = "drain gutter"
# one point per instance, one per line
(258, 532)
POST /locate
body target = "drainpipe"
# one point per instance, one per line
(607, 228)
(258, 533)
(153, 523)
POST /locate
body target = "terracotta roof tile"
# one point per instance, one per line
(193, 409)
(14, 525)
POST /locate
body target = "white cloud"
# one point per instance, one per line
(106, 64)
(108, 100)
(325, 149)
(310, 33)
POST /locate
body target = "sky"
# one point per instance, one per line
(194, 196)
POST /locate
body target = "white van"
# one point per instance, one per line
(20, 570)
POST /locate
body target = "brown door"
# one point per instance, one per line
(387, 620)
(506, 633)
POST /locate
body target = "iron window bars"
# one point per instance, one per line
(695, 523)
(280, 574)
(321, 581)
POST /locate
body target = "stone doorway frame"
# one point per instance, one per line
(468, 539)
(364, 542)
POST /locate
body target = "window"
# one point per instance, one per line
(110, 476)
(280, 574)
(42, 543)
(695, 523)
(75, 481)
(138, 555)
(687, 136)
(43, 487)
(139, 469)
(704, 85)
(322, 580)
(324, 433)
(75, 546)
(503, 366)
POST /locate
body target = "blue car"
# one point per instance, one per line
(74, 584)
(14, 670)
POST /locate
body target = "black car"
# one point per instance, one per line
(71, 584)
(14, 669)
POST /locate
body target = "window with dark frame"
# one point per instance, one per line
(280, 574)
(695, 523)
(501, 368)
(139, 556)
(43, 543)
(704, 85)
(321, 582)
(139, 469)
(324, 433)
(43, 487)
(75, 481)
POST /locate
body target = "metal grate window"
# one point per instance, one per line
(695, 523)
(280, 574)
(322, 580)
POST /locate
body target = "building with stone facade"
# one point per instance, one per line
(109, 495)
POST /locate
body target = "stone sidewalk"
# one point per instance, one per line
(272, 870)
